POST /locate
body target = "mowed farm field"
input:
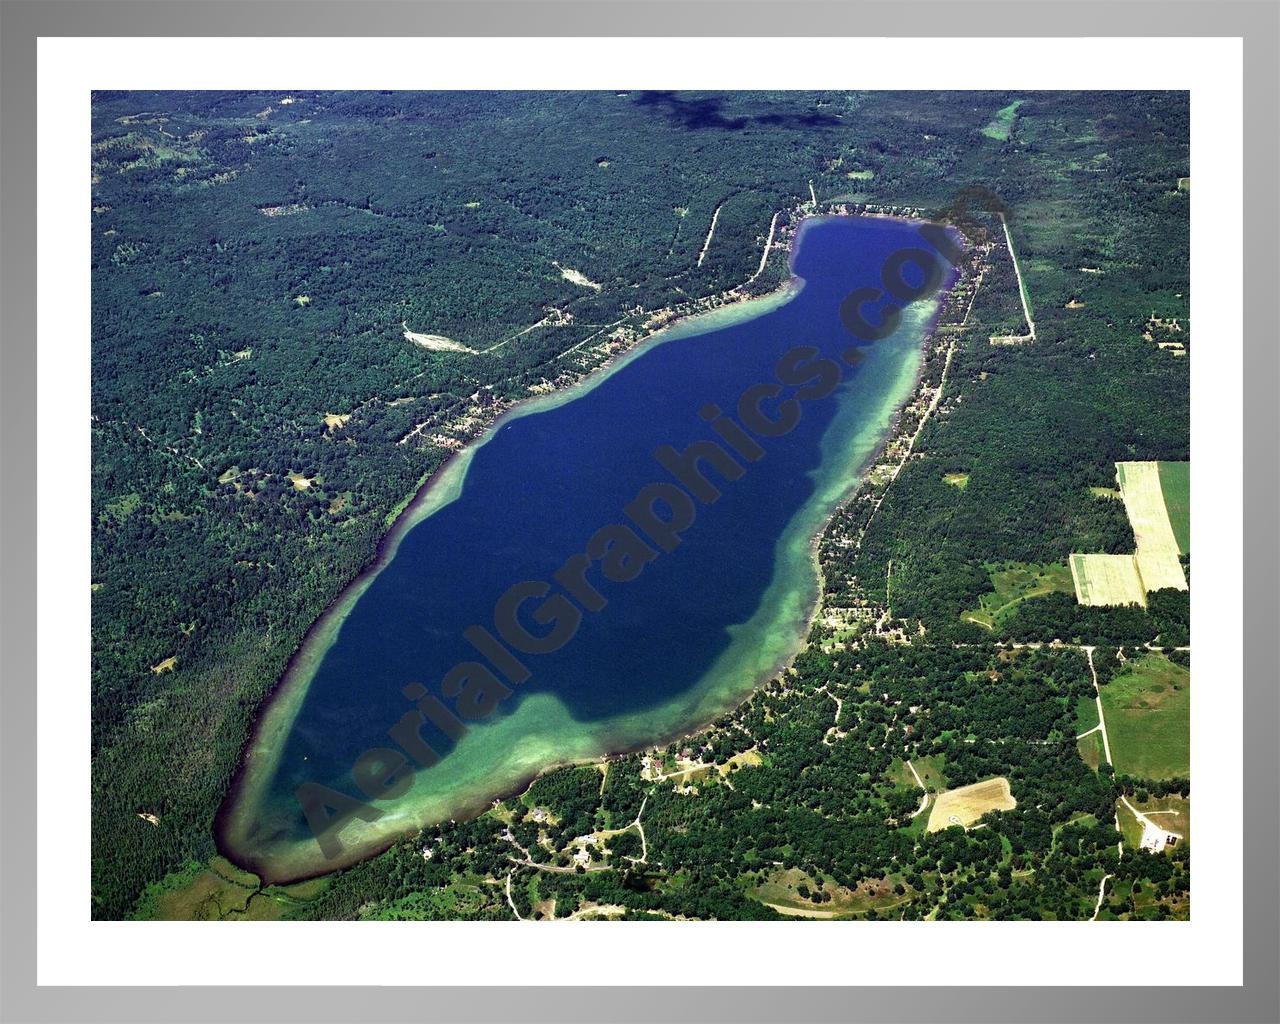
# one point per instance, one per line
(966, 804)
(1148, 712)
(1157, 500)
(1158, 551)
(1107, 580)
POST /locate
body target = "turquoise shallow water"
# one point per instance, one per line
(690, 635)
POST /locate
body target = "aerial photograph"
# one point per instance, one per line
(640, 505)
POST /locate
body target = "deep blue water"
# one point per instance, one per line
(546, 481)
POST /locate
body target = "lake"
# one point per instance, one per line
(689, 637)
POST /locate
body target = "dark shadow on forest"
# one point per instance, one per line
(708, 112)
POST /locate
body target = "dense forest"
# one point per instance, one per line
(260, 415)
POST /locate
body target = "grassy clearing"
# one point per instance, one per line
(967, 804)
(217, 890)
(746, 759)
(199, 892)
(1148, 711)
(1132, 830)
(1175, 486)
(1091, 751)
(1130, 827)
(1107, 580)
(122, 508)
(1014, 583)
(930, 770)
(1086, 714)
(1001, 126)
(1169, 812)
(960, 480)
(464, 895)
(785, 891)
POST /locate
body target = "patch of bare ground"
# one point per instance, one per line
(966, 804)
(435, 342)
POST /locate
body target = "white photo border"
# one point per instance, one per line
(72, 950)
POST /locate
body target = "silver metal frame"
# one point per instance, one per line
(21, 23)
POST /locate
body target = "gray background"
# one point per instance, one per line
(21, 23)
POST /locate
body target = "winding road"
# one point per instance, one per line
(919, 782)
(1102, 721)
(1102, 891)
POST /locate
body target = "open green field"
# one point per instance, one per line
(1001, 125)
(1086, 714)
(782, 890)
(464, 894)
(220, 891)
(1175, 485)
(1148, 712)
(1014, 583)
(929, 768)
(932, 771)
(1091, 752)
